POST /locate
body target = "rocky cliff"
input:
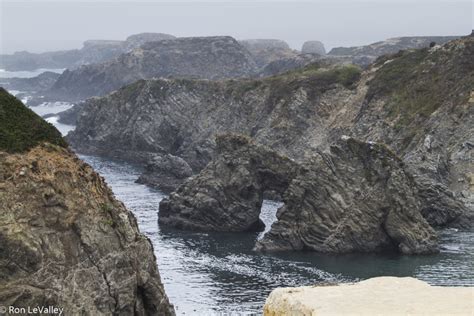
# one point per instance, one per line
(364, 55)
(93, 51)
(65, 240)
(182, 117)
(194, 57)
(418, 102)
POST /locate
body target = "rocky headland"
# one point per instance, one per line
(65, 240)
(215, 57)
(93, 51)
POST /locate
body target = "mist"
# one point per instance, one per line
(38, 26)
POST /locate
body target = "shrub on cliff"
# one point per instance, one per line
(21, 129)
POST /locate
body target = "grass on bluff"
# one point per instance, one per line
(21, 129)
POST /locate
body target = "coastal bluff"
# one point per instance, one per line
(376, 296)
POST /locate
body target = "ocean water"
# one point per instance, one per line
(219, 274)
(26, 74)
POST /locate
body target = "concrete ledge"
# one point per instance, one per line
(376, 296)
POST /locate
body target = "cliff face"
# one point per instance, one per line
(93, 51)
(193, 57)
(182, 117)
(65, 240)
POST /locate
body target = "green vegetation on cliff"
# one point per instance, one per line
(21, 129)
(419, 82)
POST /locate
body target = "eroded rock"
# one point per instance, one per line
(228, 194)
(358, 197)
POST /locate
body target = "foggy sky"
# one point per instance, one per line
(38, 26)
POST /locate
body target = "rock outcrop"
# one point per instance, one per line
(382, 295)
(313, 47)
(93, 51)
(65, 240)
(194, 57)
(365, 55)
(356, 198)
(228, 194)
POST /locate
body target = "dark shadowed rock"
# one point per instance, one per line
(165, 172)
(228, 194)
(313, 47)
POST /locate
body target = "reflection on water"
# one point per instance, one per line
(218, 272)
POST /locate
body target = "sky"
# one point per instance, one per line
(38, 25)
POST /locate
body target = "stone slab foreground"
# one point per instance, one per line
(376, 296)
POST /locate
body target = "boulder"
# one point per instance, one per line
(376, 296)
